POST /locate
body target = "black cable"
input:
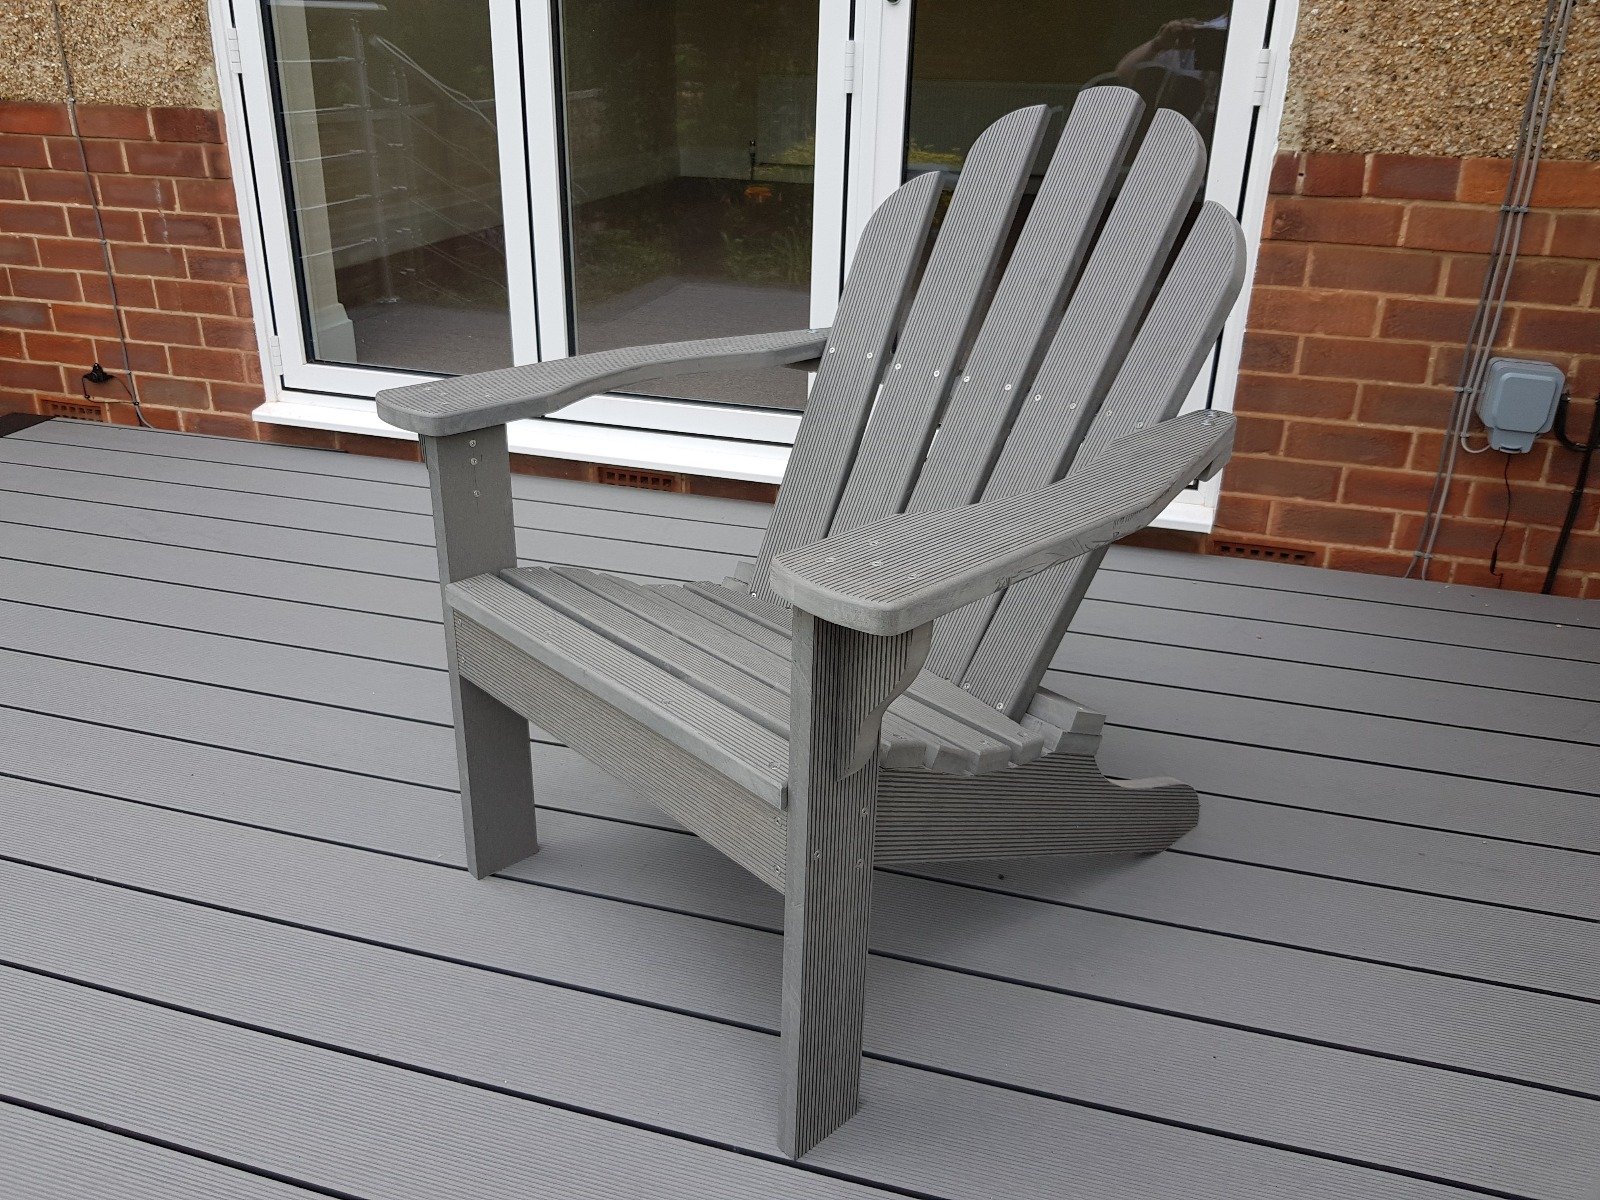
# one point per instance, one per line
(1586, 448)
(1505, 522)
(130, 386)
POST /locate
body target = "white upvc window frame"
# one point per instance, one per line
(861, 85)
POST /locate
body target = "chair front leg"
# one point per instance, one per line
(843, 682)
(470, 477)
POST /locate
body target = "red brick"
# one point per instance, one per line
(1461, 538)
(220, 424)
(11, 184)
(1256, 435)
(1582, 556)
(71, 254)
(293, 435)
(1372, 562)
(166, 158)
(131, 191)
(133, 291)
(11, 345)
(119, 225)
(173, 229)
(161, 418)
(1427, 320)
(72, 350)
(33, 218)
(147, 358)
(241, 300)
(1313, 310)
(174, 393)
(1483, 180)
(1531, 504)
(1268, 351)
(22, 150)
(1293, 395)
(1242, 514)
(58, 187)
(18, 252)
(44, 285)
(24, 314)
(182, 295)
(237, 397)
(381, 447)
(1567, 184)
(1317, 441)
(1285, 175)
(206, 195)
(103, 157)
(1329, 523)
(1414, 177)
(228, 333)
(232, 233)
(1450, 227)
(186, 124)
(32, 376)
(1359, 268)
(1370, 488)
(1281, 477)
(198, 362)
(1576, 235)
(84, 318)
(1394, 404)
(217, 163)
(222, 266)
(1533, 280)
(1333, 174)
(113, 121)
(1572, 331)
(1282, 263)
(172, 328)
(1357, 358)
(1317, 219)
(159, 261)
(1468, 466)
(19, 117)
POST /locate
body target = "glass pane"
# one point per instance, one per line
(388, 124)
(690, 141)
(968, 69)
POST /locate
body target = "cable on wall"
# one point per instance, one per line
(96, 373)
(1485, 329)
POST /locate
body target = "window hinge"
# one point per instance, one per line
(849, 67)
(230, 39)
(1258, 94)
(275, 355)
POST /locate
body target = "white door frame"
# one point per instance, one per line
(861, 82)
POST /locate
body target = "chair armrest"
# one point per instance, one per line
(467, 402)
(905, 570)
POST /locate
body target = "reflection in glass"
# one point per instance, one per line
(968, 69)
(690, 141)
(388, 122)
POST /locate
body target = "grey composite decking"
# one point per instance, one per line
(239, 956)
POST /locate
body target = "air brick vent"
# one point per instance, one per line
(72, 410)
(1263, 552)
(650, 481)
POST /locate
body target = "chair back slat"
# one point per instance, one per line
(949, 305)
(1131, 252)
(1172, 346)
(1049, 253)
(877, 291)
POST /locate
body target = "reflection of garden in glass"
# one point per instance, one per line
(690, 141)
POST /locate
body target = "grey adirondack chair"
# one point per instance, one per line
(868, 689)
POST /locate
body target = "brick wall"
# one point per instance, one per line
(169, 212)
(1368, 278)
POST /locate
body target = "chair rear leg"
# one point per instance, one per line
(470, 477)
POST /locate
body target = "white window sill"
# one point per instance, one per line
(647, 449)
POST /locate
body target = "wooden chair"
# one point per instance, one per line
(868, 689)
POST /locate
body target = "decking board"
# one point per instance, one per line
(1370, 972)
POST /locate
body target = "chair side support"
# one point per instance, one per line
(843, 681)
(470, 477)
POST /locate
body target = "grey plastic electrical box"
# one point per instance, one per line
(1518, 401)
